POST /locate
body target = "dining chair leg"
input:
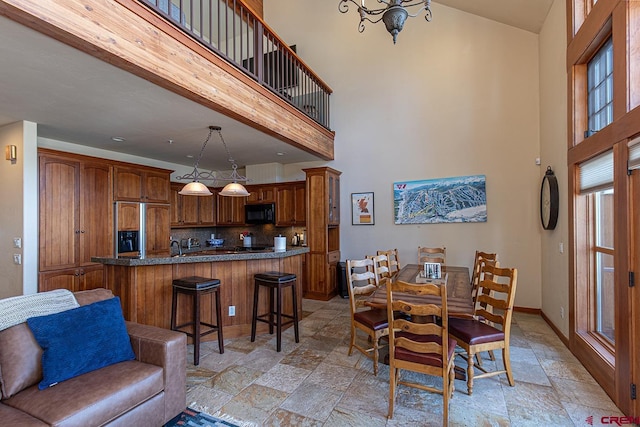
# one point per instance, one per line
(375, 354)
(452, 377)
(393, 379)
(470, 357)
(353, 339)
(507, 364)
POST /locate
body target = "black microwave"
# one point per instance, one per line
(260, 214)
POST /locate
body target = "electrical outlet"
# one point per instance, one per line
(232, 310)
(562, 312)
(17, 259)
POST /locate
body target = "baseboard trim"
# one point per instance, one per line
(560, 335)
(528, 310)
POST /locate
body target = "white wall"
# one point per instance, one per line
(18, 210)
(456, 96)
(553, 151)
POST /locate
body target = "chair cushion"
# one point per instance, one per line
(431, 359)
(196, 283)
(372, 319)
(275, 277)
(474, 332)
(81, 340)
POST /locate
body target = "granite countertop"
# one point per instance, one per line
(205, 255)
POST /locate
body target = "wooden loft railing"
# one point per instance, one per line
(234, 32)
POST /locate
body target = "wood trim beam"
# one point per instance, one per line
(126, 34)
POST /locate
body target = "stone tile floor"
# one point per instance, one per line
(315, 383)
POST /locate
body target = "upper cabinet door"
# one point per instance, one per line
(96, 211)
(156, 187)
(261, 194)
(128, 184)
(59, 199)
(140, 185)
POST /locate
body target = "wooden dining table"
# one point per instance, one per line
(459, 299)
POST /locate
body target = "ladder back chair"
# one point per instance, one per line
(423, 347)
(490, 328)
(380, 269)
(438, 255)
(361, 284)
(479, 257)
(393, 261)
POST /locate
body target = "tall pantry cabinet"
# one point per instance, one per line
(75, 221)
(323, 232)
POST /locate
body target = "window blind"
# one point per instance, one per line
(634, 154)
(597, 173)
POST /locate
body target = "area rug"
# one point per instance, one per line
(192, 418)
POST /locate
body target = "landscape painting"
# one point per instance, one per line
(457, 199)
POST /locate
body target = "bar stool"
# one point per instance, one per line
(196, 287)
(275, 281)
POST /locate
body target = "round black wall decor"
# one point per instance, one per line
(549, 200)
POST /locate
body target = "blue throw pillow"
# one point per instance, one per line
(81, 340)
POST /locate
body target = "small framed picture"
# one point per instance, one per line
(432, 270)
(362, 209)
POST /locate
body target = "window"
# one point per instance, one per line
(597, 252)
(600, 89)
(604, 309)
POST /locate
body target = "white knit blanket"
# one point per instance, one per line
(16, 310)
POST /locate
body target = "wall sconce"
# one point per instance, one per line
(12, 153)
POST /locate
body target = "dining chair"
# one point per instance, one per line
(361, 284)
(476, 264)
(380, 269)
(479, 273)
(438, 255)
(423, 347)
(490, 327)
(393, 261)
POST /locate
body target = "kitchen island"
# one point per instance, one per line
(144, 285)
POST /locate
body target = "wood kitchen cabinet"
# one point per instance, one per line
(291, 204)
(323, 232)
(73, 279)
(230, 210)
(261, 194)
(158, 235)
(333, 202)
(75, 218)
(141, 184)
(192, 211)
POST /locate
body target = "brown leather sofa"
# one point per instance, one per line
(147, 391)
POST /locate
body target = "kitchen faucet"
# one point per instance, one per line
(179, 247)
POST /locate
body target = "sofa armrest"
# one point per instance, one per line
(167, 349)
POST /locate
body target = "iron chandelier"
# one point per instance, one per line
(393, 15)
(196, 188)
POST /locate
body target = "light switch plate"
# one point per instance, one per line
(17, 242)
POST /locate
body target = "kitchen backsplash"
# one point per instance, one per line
(262, 235)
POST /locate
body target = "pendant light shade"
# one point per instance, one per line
(234, 189)
(195, 188)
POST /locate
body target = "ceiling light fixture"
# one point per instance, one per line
(196, 188)
(393, 15)
(234, 188)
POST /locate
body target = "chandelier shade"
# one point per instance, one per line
(233, 189)
(394, 13)
(195, 188)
